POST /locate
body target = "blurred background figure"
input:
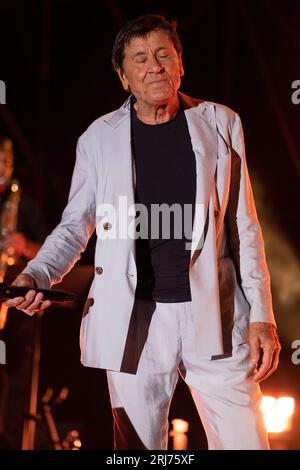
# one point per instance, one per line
(31, 228)
(22, 231)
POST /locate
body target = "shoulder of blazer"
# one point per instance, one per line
(222, 113)
(112, 119)
(224, 118)
(218, 116)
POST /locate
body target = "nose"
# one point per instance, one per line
(155, 66)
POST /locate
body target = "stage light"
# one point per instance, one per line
(180, 428)
(278, 413)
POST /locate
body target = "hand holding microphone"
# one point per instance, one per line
(24, 295)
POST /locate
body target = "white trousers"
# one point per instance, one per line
(226, 397)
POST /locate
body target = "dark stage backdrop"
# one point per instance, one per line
(55, 61)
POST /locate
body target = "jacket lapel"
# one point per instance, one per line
(202, 128)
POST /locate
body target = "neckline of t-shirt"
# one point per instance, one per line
(155, 126)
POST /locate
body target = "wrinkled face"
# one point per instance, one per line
(6, 161)
(151, 68)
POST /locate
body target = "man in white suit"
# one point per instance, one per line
(160, 306)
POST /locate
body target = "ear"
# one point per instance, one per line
(123, 79)
(181, 69)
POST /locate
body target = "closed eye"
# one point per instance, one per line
(140, 60)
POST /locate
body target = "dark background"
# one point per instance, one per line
(55, 61)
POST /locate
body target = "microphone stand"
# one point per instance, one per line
(29, 426)
(55, 439)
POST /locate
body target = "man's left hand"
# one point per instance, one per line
(263, 336)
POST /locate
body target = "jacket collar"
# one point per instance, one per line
(200, 107)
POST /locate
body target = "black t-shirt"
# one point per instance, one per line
(165, 174)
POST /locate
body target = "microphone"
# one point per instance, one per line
(54, 295)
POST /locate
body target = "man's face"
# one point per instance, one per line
(151, 68)
(6, 162)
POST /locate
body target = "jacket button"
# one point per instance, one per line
(91, 301)
(107, 226)
(216, 213)
(99, 270)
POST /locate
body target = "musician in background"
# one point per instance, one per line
(23, 245)
(31, 229)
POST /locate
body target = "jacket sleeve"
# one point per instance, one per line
(245, 233)
(63, 247)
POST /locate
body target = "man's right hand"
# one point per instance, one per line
(32, 302)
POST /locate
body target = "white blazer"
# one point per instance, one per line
(229, 278)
